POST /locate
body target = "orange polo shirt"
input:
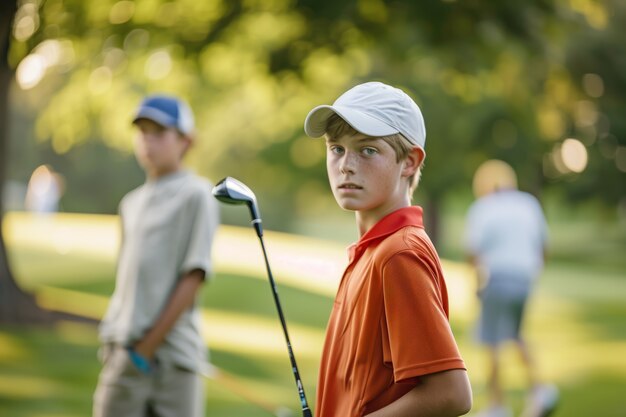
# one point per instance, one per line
(389, 324)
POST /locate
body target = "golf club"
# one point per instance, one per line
(232, 191)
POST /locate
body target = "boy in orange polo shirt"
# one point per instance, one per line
(389, 349)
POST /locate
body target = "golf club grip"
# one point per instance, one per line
(306, 411)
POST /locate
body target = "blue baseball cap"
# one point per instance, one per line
(167, 111)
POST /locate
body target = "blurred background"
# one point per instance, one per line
(540, 84)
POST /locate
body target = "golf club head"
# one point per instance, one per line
(231, 191)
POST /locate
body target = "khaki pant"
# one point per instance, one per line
(123, 391)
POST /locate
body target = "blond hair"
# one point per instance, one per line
(337, 127)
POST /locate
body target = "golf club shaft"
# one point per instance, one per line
(306, 411)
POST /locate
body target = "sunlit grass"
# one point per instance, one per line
(11, 349)
(28, 387)
(222, 329)
(575, 325)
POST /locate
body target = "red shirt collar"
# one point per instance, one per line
(391, 223)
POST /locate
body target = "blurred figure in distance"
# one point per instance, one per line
(506, 236)
(152, 350)
(44, 191)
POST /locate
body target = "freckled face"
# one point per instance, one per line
(365, 176)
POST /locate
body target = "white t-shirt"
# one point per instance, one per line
(167, 230)
(507, 232)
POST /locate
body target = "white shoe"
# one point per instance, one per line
(495, 411)
(542, 401)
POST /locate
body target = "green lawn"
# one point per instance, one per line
(577, 323)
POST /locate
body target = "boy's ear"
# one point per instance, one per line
(188, 142)
(413, 161)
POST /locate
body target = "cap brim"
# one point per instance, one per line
(316, 120)
(156, 116)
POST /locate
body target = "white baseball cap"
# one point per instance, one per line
(373, 109)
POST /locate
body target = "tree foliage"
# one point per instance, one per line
(510, 80)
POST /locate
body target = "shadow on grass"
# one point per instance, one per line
(52, 371)
(48, 370)
(245, 294)
(597, 391)
(597, 295)
(247, 366)
(241, 294)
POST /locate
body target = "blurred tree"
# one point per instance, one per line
(510, 80)
(596, 59)
(495, 79)
(16, 306)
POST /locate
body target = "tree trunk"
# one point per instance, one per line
(16, 305)
(432, 219)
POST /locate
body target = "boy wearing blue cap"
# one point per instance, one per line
(152, 351)
(389, 348)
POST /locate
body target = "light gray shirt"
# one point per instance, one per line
(167, 231)
(507, 232)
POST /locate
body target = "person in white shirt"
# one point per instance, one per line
(506, 235)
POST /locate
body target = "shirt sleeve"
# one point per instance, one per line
(205, 219)
(419, 340)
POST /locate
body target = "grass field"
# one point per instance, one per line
(577, 322)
